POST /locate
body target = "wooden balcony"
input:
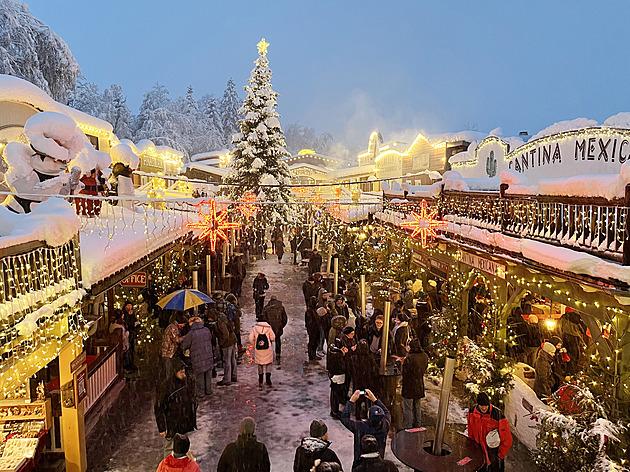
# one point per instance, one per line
(593, 225)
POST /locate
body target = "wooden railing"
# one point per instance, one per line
(596, 226)
(101, 375)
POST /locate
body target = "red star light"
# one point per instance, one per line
(424, 223)
(211, 224)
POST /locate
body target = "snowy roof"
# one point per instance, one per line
(350, 171)
(221, 171)
(203, 156)
(135, 237)
(310, 166)
(14, 89)
(465, 135)
(146, 145)
(53, 221)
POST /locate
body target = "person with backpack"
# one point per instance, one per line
(261, 337)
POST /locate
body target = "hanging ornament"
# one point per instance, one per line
(247, 208)
(424, 223)
(212, 224)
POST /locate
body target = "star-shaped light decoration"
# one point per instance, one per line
(211, 224)
(424, 223)
(247, 208)
(262, 47)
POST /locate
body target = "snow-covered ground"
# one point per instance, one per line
(126, 439)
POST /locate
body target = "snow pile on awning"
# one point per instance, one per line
(53, 221)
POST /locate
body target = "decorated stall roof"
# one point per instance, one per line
(14, 89)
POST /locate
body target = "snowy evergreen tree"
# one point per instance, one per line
(229, 110)
(259, 147)
(209, 107)
(116, 112)
(86, 97)
(31, 50)
(158, 120)
(300, 137)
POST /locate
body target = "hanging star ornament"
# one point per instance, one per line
(212, 224)
(248, 208)
(424, 223)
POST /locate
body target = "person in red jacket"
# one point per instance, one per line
(488, 427)
(179, 460)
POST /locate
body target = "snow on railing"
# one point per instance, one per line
(594, 226)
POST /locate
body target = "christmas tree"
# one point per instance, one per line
(257, 167)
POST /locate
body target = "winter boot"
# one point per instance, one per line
(260, 379)
(268, 374)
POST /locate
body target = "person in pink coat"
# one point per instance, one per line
(261, 337)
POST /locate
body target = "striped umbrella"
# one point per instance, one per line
(183, 300)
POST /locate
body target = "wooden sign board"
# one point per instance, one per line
(78, 362)
(80, 386)
(137, 279)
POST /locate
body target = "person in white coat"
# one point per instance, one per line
(261, 337)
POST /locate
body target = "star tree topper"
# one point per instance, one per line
(211, 224)
(262, 47)
(424, 223)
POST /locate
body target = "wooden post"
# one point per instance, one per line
(73, 419)
(329, 257)
(223, 258)
(336, 268)
(385, 338)
(363, 294)
(209, 273)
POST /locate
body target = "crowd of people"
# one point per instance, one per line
(195, 345)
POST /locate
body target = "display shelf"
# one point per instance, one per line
(45, 415)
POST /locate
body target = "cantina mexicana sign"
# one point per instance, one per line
(585, 151)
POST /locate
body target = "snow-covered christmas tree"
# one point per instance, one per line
(257, 167)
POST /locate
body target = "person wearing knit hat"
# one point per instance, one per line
(484, 419)
(180, 459)
(371, 459)
(175, 406)
(377, 424)
(313, 448)
(545, 379)
(246, 453)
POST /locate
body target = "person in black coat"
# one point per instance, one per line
(133, 325)
(365, 376)
(336, 368)
(314, 447)
(294, 247)
(175, 406)
(312, 328)
(246, 454)
(315, 262)
(260, 287)
(309, 289)
(371, 460)
(413, 369)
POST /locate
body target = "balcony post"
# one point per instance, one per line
(503, 204)
(626, 233)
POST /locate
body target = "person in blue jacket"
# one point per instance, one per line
(377, 423)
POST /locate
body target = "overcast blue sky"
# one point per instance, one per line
(347, 67)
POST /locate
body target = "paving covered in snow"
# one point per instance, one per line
(126, 439)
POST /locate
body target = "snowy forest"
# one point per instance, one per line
(29, 49)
